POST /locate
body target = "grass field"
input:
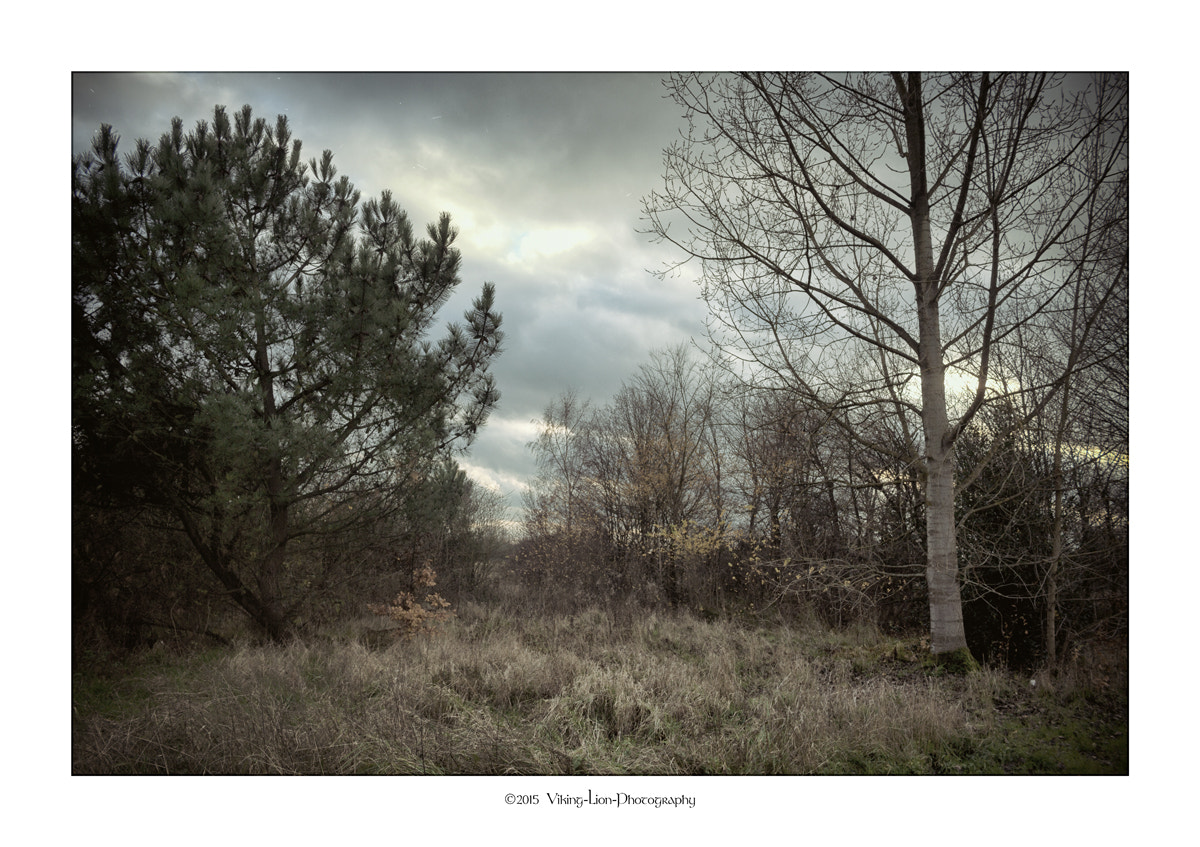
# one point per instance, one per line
(594, 693)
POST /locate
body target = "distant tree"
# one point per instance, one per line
(250, 348)
(553, 503)
(921, 222)
(787, 481)
(634, 485)
(478, 540)
(1084, 434)
(660, 418)
(659, 424)
(1004, 536)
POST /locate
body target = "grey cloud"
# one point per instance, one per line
(534, 156)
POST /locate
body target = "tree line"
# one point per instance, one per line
(689, 489)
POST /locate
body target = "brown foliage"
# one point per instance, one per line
(413, 615)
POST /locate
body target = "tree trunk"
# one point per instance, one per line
(270, 589)
(270, 592)
(1051, 634)
(1052, 588)
(947, 634)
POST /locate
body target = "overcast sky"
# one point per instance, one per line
(542, 173)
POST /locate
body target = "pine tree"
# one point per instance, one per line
(251, 350)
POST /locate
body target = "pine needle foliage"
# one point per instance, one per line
(251, 349)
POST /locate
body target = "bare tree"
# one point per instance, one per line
(926, 220)
(554, 500)
(635, 483)
(1086, 429)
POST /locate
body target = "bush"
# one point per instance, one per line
(413, 615)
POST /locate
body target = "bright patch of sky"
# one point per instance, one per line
(544, 243)
(960, 389)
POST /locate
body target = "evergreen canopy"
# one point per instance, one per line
(251, 347)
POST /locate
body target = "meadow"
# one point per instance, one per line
(616, 691)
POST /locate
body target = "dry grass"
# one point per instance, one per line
(586, 693)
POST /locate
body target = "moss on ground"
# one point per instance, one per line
(959, 662)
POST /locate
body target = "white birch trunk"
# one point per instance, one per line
(947, 633)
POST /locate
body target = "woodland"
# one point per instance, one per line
(899, 455)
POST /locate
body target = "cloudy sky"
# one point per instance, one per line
(542, 173)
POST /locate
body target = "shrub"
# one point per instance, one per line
(413, 615)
